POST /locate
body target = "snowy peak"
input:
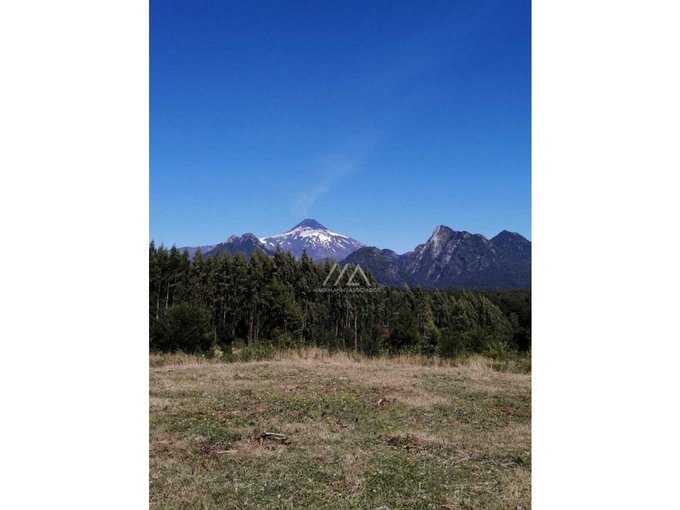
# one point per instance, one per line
(317, 241)
(309, 223)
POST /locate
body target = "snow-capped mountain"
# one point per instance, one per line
(319, 242)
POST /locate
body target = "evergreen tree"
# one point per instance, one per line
(194, 304)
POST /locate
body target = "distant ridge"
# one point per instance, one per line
(246, 244)
(452, 258)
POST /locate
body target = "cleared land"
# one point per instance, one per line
(378, 434)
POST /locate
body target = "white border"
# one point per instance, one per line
(74, 209)
(605, 258)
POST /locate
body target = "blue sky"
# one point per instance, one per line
(379, 119)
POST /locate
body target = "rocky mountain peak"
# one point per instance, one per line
(309, 223)
(442, 231)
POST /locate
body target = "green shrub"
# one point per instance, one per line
(184, 328)
(451, 344)
(496, 349)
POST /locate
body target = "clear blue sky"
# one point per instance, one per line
(379, 119)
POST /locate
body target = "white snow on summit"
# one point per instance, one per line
(312, 237)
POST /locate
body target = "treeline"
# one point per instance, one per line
(195, 305)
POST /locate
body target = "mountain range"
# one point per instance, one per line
(449, 258)
(307, 236)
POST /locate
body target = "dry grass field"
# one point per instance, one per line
(355, 433)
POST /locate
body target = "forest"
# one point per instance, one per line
(196, 305)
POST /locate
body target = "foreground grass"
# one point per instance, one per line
(358, 434)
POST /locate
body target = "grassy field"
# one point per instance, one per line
(375, 434)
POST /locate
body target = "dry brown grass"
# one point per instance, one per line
(400, 432)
